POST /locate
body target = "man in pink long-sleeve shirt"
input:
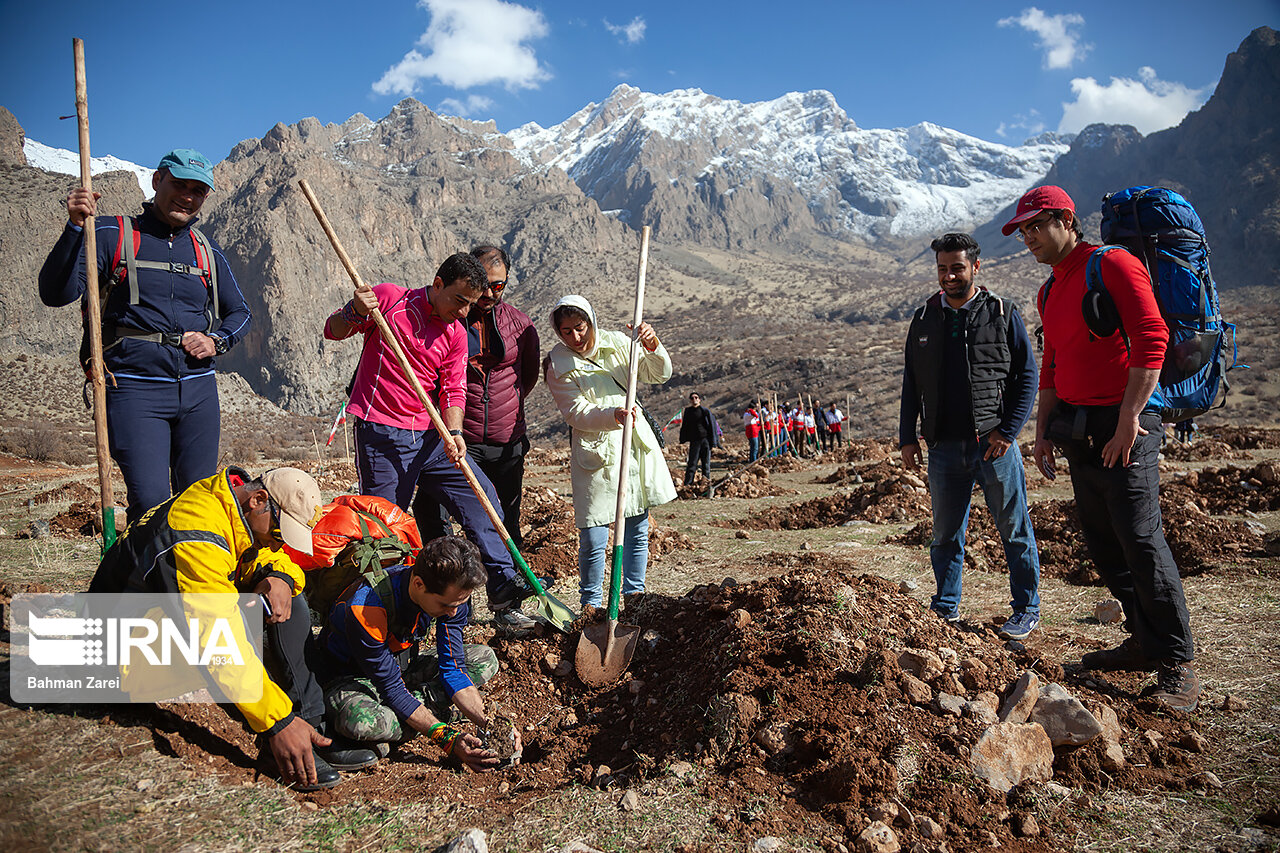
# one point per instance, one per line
(396, 445)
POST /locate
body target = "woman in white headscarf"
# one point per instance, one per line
(587, 376)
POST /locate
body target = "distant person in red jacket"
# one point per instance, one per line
(751, 423)
(502, 368)
(1094, 407)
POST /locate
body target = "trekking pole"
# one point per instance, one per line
(555, 612)
(97, 373)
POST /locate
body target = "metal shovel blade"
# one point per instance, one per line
(553, 612)
(604, 652)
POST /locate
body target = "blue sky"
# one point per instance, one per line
(164, 75)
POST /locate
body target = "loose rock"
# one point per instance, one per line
(629, 802)
(470, 841)
(1065, 720)
(1008, 754)
(1108, 612)
(921, 663)
(916, 691)
(878, 838)
(1022, 698)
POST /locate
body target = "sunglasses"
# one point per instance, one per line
(275, 520)
(496, 286)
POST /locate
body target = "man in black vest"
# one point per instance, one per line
(970, 380)
(698, 429)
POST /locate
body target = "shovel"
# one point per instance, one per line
(548, 609)
(605, 649)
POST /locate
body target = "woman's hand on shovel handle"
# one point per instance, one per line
(620, 415)
(647, 336)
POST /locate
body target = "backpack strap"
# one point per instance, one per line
(208, 266)
(1098, 306)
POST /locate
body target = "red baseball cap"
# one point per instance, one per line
(1036, 200)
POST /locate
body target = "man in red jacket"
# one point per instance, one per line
(1094, 407)
(502, 368)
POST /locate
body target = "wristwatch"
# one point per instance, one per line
(455, 432)
(220, 345)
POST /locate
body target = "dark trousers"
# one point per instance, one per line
(503, 464)
(1120, 513)
(163, 435)
(393, 461)
(699, 457)
(284, 658)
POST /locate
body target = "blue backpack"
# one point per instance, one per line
(1162, 229)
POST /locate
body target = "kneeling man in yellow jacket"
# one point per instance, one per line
(223, 534)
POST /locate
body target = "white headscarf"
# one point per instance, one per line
(573, 300)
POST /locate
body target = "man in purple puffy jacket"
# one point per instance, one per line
(502, 368)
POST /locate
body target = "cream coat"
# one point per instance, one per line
(588, 395)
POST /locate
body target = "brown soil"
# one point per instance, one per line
(785, 691)
(1199, 543)
(896, 497)
(1246, 437)
(1202, 449)
(1228, 490)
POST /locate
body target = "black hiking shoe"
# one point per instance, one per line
(344, 754)
(508, 595)
(326, 777)
(1177, 687)
(1126, 656)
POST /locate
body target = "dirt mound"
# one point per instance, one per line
(75, 492)
(882, 469)
(83, 518)
(752, 483)
(864, 450)
(1199, 543)
(1206, 448)
(1229, 490)
(1247, 438)
(664, 540)
(550, 536)
(788, 697)
(899, 497)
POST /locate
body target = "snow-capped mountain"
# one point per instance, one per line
(64, 162)
(698, 167)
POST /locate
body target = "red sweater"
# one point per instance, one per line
(1089, 371)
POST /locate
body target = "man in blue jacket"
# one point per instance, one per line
(378, 690)
(167, 312)
(970, 379)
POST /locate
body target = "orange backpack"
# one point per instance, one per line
(357, 538)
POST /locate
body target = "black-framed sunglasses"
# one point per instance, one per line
(275, 519)
(496, 286)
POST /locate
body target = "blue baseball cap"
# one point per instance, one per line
(188, 164)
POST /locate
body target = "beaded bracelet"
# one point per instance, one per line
(351, 315)
(443, 736)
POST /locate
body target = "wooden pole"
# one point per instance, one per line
(97, 373)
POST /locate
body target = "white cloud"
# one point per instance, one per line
(1149, 104)
(1057, 35)
(630, 33)
(470, 106)
(471, 43)
(1025, 126)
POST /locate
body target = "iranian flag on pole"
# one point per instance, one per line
(337, 422)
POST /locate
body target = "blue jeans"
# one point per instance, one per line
(593, 545)
(753, 448)
(954, 466)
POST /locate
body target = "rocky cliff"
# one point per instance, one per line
(1221, 157)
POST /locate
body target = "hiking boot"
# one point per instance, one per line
(1019, 626)
(509, 594)
(1177, 687)
(326, 777)
(344, 754)
(1127, 656)
(513, 621)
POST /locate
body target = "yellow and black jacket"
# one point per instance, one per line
(200, 542)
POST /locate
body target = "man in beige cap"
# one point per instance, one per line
(223, 534)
